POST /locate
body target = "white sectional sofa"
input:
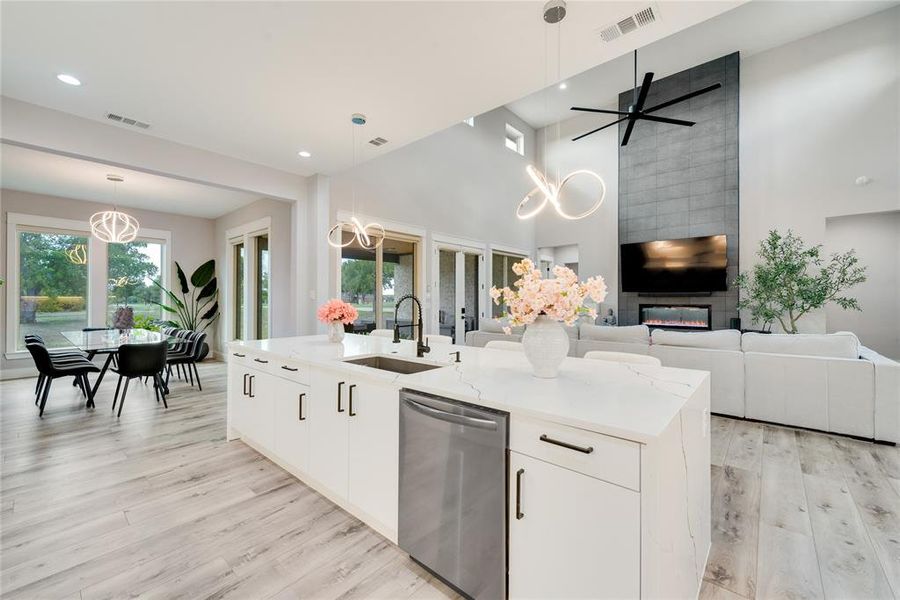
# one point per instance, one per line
(825, 382)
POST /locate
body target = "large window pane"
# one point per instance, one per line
(262, 287)
(358, 282)
(398, 278)
(133, 267)
(502, 275)
(239, 329)
(53, 285)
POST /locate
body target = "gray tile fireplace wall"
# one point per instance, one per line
(677, 182)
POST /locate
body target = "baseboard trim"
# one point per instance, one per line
(846, 435)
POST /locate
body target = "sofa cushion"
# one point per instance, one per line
(724, 339)
(497, 325)
(842, 344)
(634, 334)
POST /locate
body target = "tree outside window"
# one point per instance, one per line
(132, 267)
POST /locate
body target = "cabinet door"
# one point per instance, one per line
(291, 423)
(328, 430)
(570, 535)
(237, 394)
(374, 452)
(260, 406)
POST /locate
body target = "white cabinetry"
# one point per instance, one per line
(571, 535)
(292, 423)
(328, 430)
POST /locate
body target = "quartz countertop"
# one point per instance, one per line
(634, 402)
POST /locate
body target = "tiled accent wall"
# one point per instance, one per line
(678, 182)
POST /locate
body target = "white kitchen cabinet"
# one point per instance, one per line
(328, 430)
(291, 407)
(259, 406)
(373, 415)
(237, 392)
(571, 535)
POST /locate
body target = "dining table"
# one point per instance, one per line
(107, 341)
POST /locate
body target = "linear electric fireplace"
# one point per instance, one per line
(674, 316)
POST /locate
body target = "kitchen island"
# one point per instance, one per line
(620, 508)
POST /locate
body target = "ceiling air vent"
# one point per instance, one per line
(127, 121)
(379, 141)
(642, 18)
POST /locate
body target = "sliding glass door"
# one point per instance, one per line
(460, 283)
(250, 270)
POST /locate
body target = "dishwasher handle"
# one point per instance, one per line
(450, 417)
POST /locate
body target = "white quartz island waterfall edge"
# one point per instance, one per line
(658, 415)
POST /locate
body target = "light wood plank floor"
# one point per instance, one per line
(157, 504)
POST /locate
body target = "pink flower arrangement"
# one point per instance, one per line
(561, 298)
(336, 310)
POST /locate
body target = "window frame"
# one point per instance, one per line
(514, 137)
(164, 268)
(246, 234)
(98, 267)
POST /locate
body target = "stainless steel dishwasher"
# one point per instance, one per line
(453, 484)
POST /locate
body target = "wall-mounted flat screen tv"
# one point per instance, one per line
(675, 266)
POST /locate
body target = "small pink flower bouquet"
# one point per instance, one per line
(561, 298)
(337, 311)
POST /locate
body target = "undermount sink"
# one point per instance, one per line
(395, 365)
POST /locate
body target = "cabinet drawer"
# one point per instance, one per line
(610, 459)
(296, 372)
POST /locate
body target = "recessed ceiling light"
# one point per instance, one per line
(304, 154)
(563, 85)
(70, 79)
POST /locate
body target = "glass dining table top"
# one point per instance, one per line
(111, 339)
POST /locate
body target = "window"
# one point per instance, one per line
(502, 275)
(515, 140)
(131, 270)
(262, 287)
(372, 280)
(238, 300)
(470, 121)
(53, 285)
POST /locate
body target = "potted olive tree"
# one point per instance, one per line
(793, 279)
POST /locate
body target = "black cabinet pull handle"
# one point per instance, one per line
(300, 407)
(252, 377)
(259, 360)
(287, 368)
(352, 414)
(582, 449)
(340, 385)
(245, 382)
(239, 355)
(519, 513)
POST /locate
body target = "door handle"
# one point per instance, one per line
(582, 449)
(245, 382)
(450, 417)
(340, 385)
(352, 414)
(300, 416)
(252, 377)
(519, 513)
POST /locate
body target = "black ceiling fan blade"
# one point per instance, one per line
(645, 89)
(699, 92)
(575, 139)
(600, 110)
(628, 131)
(666, 120)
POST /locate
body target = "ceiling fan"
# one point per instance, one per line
(637, 112)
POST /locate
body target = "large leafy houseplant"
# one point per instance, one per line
(792, 279)
(198, 306)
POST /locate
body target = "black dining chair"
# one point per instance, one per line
(50, 369)
(189, 356)
(58, 354)
(141, 360)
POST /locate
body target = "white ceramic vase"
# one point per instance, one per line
(335, 332)
(546, 344)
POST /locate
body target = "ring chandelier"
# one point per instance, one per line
(112, 226)
(552, 194)
(77, 254)
(360, 232)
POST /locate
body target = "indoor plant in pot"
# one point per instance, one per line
(542, 304)
(336, 313)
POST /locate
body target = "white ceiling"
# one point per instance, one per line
(39, 172)
(261, 81)
(751, 28)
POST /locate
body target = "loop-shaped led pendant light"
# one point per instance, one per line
(360, 232)
(552, 194)
(113, 226)
(77, 254)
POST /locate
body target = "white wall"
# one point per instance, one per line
(596, 236)
(462, 182)
(192, 239)
(876, 239)
(282, 297)
(815, 115)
